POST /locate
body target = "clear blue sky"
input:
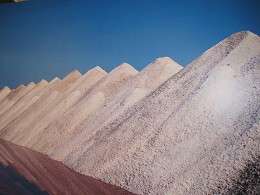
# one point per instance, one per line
(41, 39)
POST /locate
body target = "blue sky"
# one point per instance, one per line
(41, 39)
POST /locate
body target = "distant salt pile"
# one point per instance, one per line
(4, 92)
(22, 104)
(114, 105)
(162, 130)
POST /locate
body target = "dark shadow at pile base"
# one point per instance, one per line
(51, 175)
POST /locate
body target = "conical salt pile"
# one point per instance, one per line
(163, 130)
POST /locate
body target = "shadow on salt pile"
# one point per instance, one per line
(51, 175)
(12, 183)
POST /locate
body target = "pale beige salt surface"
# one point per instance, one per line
(4, 92)
(52, 83)
(91, 100)
(37, 96)
(61, 104)
(68, 81)
(21, 104)
(176, 142)
(190, 135)
(16, 94)
(214, 146)
(17, 97)
(11, 95)
(27, 116)
(55, 80)
(17, 126)
(139, 86)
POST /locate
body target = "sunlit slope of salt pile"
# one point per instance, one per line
(139, 86)
(194, 134)
(21, 104)
(10, 95)
(63, 102)
(91, 100)
(16, 97)
(17, 126)
(5, 101)
(153, 132)
(4, 92)
(29, 99)
(68, 81)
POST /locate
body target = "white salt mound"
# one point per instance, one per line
(22, 104)
(12, 94)
(17, 127)
(135, 89)
(191, 135)
(11, 101)
(4, 92)
(63, 102)
(165, 130)
(92, 99)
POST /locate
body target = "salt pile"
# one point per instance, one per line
(21, 104)
(19, 124)
(164, 130)
(12, 98)
(60, 104)
(135, 89)
(4, 92)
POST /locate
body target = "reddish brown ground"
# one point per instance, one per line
(51, 175)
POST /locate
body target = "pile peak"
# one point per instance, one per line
(74, 73)
(20, 86)
(55, 79)
(125, 67)
(96, 69)
(5, 88)
(31, 83)
(163, 58)
(43, 81)
(245, 32)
